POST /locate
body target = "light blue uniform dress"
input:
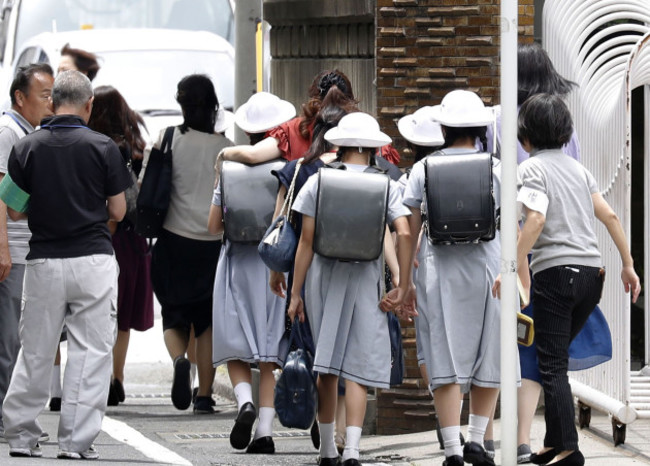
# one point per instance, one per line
(342, 303)
(459, 320)
(248, 320)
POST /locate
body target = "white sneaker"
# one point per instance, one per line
(35, 452)
(45, 437)
(90, 454)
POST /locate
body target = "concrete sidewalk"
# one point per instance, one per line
(596, 443)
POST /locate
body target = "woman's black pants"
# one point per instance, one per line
(563, 298)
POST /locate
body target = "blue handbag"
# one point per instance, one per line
(296, 395)
(278, 246)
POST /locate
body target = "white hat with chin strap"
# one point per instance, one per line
(462, 109)
(262, 112)
(357, 129)
(419, 128)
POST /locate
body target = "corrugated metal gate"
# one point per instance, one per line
(604, 46)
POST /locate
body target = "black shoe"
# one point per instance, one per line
(181, 385)
(315, 435)
(119, 390)
(474, 453)
(240, 436)
(262, 445)
(55, 404)
(113, 400)
(204, 405)
(542, 458)
(453, 461)
(329, 461)
(351, 462)
(574, 459)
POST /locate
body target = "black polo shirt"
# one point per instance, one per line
(69, 172)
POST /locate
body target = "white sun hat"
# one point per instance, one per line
(357, 129)
(262, 112)
(462, 109)
(419, 128)
(225, 120)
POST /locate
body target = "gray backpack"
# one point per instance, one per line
(351, 210)
(248, 199)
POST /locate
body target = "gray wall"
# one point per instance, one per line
(310, 36)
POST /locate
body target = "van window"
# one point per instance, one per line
(36, 16)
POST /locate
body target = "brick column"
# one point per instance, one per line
(426, 48)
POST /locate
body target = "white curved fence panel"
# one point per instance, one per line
(604, 46)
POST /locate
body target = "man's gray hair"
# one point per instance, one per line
(71, 88)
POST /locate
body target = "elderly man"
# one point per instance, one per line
(30, 103)
(75, 179)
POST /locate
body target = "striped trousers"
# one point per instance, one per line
(563, 298)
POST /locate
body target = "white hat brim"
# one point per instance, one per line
(286, 111)
(484, 117)
(225, 120)
(345, 139)
(406, 130)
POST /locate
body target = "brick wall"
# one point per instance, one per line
(426, 48)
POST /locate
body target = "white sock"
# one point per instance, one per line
(243, 393)
(451, 440)
(265, 424)
(193, 377)
(55, 383)
(476, 428)
(327, 445)
(352, 439)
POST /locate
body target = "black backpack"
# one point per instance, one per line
(460, 199)
(156, 188)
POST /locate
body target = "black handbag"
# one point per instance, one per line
(278, 247)
(296, 395)
(397, 361)
(156, 188)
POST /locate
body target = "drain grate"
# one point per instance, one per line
(208, 435)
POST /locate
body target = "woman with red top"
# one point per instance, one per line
(292, 139)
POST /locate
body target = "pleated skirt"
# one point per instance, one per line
(248, 320)
(349, 330)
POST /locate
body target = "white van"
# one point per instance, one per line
(144, 46)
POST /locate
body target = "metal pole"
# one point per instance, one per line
(247, 14)
(509, 295)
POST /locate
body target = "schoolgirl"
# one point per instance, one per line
(458, 323)
(292, 139)
(341, 298)
(249, 320)
(593, 345)
(560, 199)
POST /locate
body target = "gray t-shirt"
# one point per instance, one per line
(10, 132)
(560, 188)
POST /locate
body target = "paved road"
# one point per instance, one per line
(147, 430)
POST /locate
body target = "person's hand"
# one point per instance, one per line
(631, 282)
(278, 283)
(408, 309)
(296, 308)
(5, 262)
(392, 300)
(496, 288)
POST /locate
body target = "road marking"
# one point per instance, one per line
(124, 433)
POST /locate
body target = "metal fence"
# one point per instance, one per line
(603, 45)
